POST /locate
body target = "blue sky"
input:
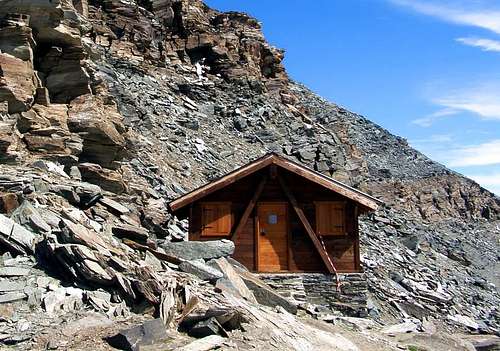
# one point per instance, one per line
(427, 70)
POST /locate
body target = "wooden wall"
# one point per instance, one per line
(344, 250)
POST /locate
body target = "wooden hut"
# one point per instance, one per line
(282, 217)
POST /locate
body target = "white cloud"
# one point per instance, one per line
(483, 44)
(435, 138)
(429, 120)
(489, 181)
(460, 12)
(481, 99)
(484, 154)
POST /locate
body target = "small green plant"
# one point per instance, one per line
(416, 348)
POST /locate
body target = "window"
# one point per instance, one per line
(330, 218)
(272, 219)
(216, 219)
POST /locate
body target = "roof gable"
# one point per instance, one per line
(367, 201)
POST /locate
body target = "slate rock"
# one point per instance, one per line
(490, 343)
(193, 250)
(464, 321)
(240, 124)
(8, 202)
(201, 270)
(131, 232)
(205, 328)
(412, 242)
(62, 299)
(408, 326)
(11, 297)
(114, 206)
(207, 343)
(232, 281)
(15, 237)
(264, 294)
(7, 286)
(107, 179)
(13, 271)
(29, 217)
(149, 333)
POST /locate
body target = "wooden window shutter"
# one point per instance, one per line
(216, 219)
(330, 218)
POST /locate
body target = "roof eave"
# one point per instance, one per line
(367, 201)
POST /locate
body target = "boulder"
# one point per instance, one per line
(28, 216)
(408, 326)
(15, 237)
(149, 333)
(464, 321)
(264, 294)
(114, 206)
(201, 270)
(205, 328)
(8, 286)
(101, 129)
(55, 21)
(51, 143)
(17, 83)
(204, 344)
(12, 297)
(231, 282)
(62, 299)
(16, 37)
(193, 250)
(7, 140)
(13, 271)
(107, 179)
(8, 203)
(66, 79)
(130, 232)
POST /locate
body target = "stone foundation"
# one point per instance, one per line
(320, 289)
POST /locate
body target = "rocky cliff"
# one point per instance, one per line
(140, 101)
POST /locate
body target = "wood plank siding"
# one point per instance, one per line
(302, 255)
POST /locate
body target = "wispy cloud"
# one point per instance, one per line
(488, 181)
(435, 138)
(429, 120)
(483, 44)
(487, 153)
(481, 99)
(470, 13)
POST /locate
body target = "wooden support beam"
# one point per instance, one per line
(248, 209)
(307, 226)
(273, 171)
(357, 258)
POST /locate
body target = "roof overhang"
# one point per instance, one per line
(367, 201)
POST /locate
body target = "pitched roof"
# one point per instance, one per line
(356, 195)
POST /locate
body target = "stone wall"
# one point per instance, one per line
(320, 289)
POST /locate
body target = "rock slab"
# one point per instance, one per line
(149, 333)
(265, 295)
(193, 250)
(201, 270)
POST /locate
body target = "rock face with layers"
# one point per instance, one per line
(17, 80)
(230, 44)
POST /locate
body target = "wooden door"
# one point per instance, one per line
(272, 237)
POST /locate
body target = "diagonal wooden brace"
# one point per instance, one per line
(322, 252)
(248, 209)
